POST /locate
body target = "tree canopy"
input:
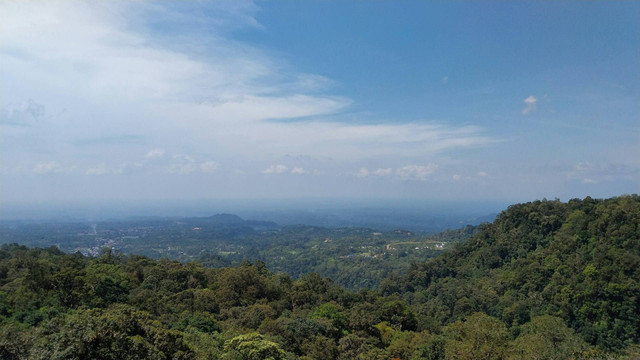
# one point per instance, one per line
(546, 280)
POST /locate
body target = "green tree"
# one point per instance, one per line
(253, 346)
(478, 337)
(547, 338)
(119, 332)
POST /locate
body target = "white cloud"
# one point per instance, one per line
(445, 80)
(363, 172)
(100, 169)
(312, 82)
(595, 173)
(482, 173)
(127, 166)
(183, 169)
(299, 171)
(183, 158)
(456, 177)
(275, 169)
(104, 169)
(99, 51)
(114, 76)
(530, 105)
(47, 167)
(183, 165)
(222, 97)
(345, 141)
(583, 166)
(155, 153)
(24, 113)
(208, 166)
(383, 172)
(416, 172)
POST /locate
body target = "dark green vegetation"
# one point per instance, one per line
(352, 257)
(546, 280)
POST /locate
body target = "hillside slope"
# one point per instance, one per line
(579, 261)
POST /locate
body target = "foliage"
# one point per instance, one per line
(253, 346)
(577, 261)
(546, 280)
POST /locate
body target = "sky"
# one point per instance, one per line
(426, 101)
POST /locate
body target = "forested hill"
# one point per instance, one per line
(579, 261)
(546, 280)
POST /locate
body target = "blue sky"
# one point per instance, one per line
(451, 100)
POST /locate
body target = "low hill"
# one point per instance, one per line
(579, 261)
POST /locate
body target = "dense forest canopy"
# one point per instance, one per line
(545, 280)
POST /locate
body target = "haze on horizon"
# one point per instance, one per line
(441, 101)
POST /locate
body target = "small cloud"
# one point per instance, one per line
(275, 169)
(46, 168)
(25, 113)
(299, 171)
(208, 166)
(183, 169)
(183, 165)
(100, 169)
(363, 172)
(583, 166)
(596, 173)
(183, 158)
(126, 167)
(416, 172)
(383, 172)
(155, 153)
(530, 105)
(585, 171)
(445, 80)
(456, 177)
(103, 169)
(482, 174)
(312, 82)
